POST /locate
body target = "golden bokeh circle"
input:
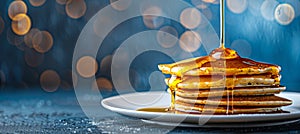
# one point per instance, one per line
(50, 80)
(37, 3)
(102, 84)
(2, 25)
(190, 41)
(190, 18)
(167, 36)
(21, 24)
(87, 66)
(29, 37)
(15, 8)
(42, 41)
(75, 8)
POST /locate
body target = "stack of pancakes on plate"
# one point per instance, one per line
(224, 83)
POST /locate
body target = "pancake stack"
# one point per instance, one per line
(224, 83)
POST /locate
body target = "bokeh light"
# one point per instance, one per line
(120, 5)
(237, 6)
(152, 21)
(33, 58)
(50, 80)
(190, 41)
(267, 9)
(212, 1)
(42, 41)
(284, 14)
(190, 18)
(167, 36)
(21, 24)
(2, 25)
(62, 2)
(28, 38)
(87, 66)
(37, 3)
(102, 84)
(15, 8)
(242, 46)
(75, 8)
(105, 65)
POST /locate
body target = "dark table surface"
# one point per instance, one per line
(59, 112)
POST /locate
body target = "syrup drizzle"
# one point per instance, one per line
(222, 24)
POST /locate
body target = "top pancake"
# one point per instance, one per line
(220, 62)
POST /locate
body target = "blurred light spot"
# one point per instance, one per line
(2, 25)
(212, 1)
(199, 4)
(190, 41)
(37, 3)
(237, 6)
(2, 79)
(167, 36)
(151, 17)
(209, 1)
(190, 18)
(33, 58)
(105, 66)
(16, 7)
(75, 8)
(120, 5)
(42, 41)
(102, 84)
(243, 47)
(61, 2)
(284, 14)
(12, 38)
(50, 80)
(267, 9)
(87, 66)
(29, 36)
(21, 24)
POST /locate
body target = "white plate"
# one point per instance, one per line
(127, 104)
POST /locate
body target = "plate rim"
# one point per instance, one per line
(213, 118)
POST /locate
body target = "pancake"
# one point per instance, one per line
(219, 81)
(184, 108)
(242, 91)
(253, 101)
(219, 62)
